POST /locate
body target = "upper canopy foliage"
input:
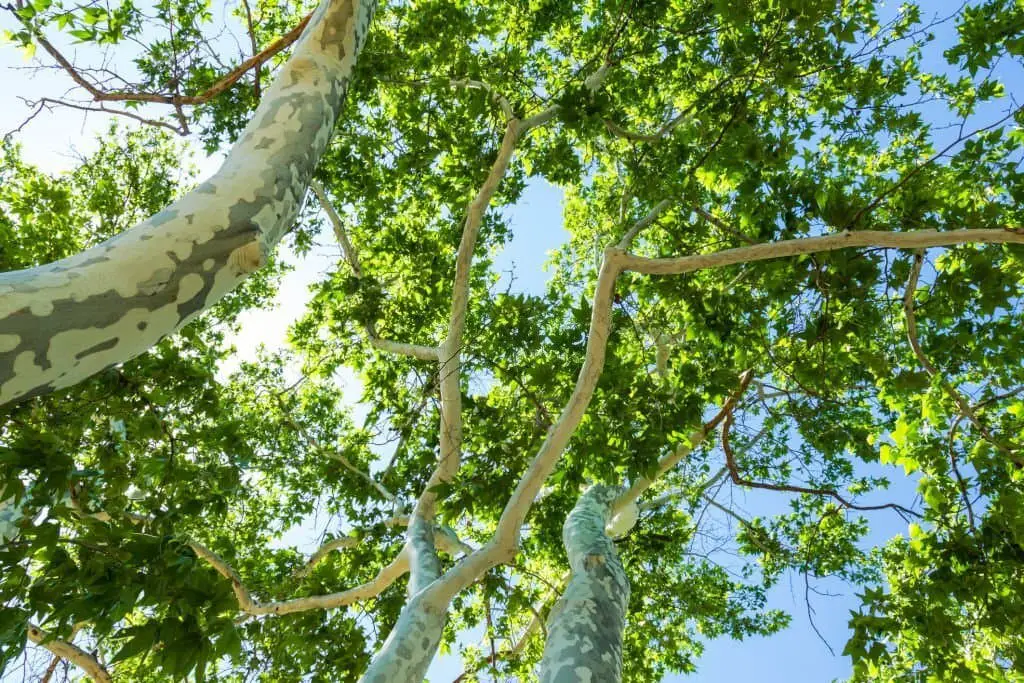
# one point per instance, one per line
(757, 122)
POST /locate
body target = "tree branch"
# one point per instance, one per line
(503, 545)
(498, 98)
(754, 532)
(246, 603)
(450, 350)
(340, 234)
(722, 225)
(50, 102)
(914, 239)
(225, 82)
(962, 403)
(739, 480)
(633, 493)
(445, 539)
(334, 455)
(627, 240)
(352, 257)
(74, 654)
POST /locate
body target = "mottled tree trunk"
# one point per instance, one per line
(410, 647)
(584, 643)
(63, 322)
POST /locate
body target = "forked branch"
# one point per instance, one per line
(72, 653)
(740, 480)
(222, 84)
(684, 449)
(249, 605)
(961, 402)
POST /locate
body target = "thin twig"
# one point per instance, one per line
(722, 225)
(255, 49)
(739, 480)
(641, 485)
(920, 167)
(350, 254)
(50, 102)
(213, 91)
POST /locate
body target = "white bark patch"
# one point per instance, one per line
(190, 286)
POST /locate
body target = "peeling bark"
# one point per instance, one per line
(65, 321)
(585, 626)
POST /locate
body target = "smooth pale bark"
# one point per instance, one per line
(584, 643)
(74, 654)
(65, 321)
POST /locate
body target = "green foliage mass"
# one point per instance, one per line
(781, 119)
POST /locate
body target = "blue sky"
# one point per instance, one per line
(796, 656)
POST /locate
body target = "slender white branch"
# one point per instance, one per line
(619, 131)
(540, 119)
(402, 349)
(74, 654)
(961, 401)
(450, 351)
(915, 239)
(446, 540)
(345, 462)
(246, 603)
(498, 98)
(352, 257)
(343, 543)
(503, 545)
(659, 208)
(340, 234)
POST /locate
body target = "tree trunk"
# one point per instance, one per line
(63, 322)
(584, 642)
(410, 647)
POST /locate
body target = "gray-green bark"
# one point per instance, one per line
(584, 643)
(65, 321)
(410, 647)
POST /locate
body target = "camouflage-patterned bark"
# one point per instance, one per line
(410, 647)
(585, 626)
(65, 321)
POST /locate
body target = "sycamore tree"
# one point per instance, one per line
(793, 268)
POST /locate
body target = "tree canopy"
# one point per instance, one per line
(793, 267)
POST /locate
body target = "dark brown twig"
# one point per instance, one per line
(739, 480)
(882, 196)
(255, 49)
(49, 102)
(225, 82)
